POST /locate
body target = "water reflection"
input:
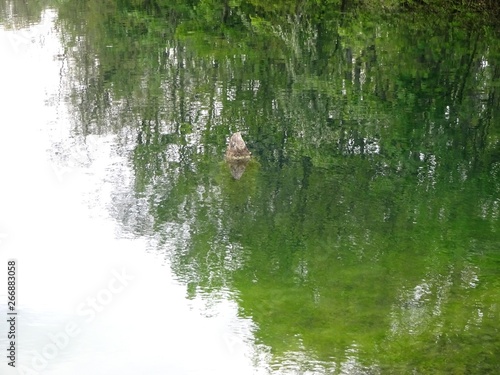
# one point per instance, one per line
(64, 188)
(237, 168)
(360, 239)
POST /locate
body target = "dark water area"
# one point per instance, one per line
(363, 236)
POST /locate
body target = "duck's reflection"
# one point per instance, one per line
(237, 167)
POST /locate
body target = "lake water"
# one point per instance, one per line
(362, 238)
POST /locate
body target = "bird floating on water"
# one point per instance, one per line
(237, 148)
(237, 155)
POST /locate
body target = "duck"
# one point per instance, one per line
(237, 149)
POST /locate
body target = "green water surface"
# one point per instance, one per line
(363, 237)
